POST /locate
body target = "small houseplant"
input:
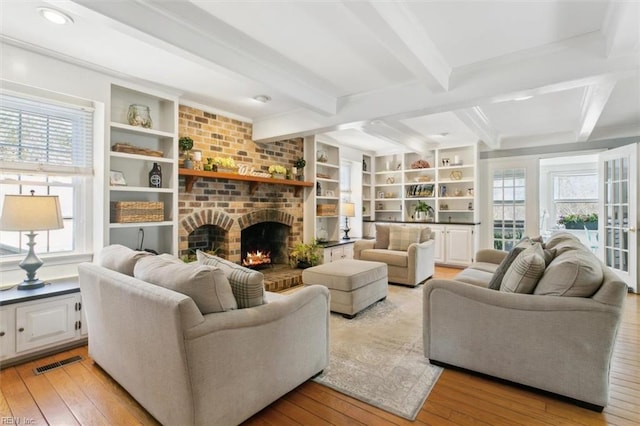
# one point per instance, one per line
(305, 255)
(299, 165)
(422, 211)
(227, 164)
(186, 145)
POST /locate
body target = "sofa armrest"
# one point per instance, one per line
(421, 263)
(539, 341)
(361, 245)
(490, 256)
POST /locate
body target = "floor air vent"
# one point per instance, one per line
(48, 367)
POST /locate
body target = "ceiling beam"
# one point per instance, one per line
(188, 30)
(397, 29)
(594, 100)
(621, 26)
(476, 120)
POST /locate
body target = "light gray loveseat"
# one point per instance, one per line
(408, 251)
(559, 339)
(190, 368)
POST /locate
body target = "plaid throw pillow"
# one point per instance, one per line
(401, 237)
(247, 285)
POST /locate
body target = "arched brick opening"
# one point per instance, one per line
(212, 225)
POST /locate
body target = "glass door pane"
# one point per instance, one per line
(508, 207)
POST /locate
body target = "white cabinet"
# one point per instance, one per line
(34, 326)
(132, 152)
(454, 244)
(343, 251)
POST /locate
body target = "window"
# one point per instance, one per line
(509, 209)
(46, 146)
(575, 194)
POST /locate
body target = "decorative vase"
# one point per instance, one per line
(321, 156)
(139, 115)
(278, 176)
(226, 170)
(188, 164)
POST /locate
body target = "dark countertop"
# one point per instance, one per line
(422, 223)
(328, 244)
(51, 289)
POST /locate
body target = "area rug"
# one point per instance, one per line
(377, 357)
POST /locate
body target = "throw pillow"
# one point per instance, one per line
(247, 285)
(120, 258)
(425, 234)
(401, 237)
(576, 273)
(382, 236)
(501, 270)
(524, 273)
(206, 285)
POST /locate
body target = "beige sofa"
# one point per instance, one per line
(408, 251)
(559, 339)
(190, 368)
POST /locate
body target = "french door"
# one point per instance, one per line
(618, 225)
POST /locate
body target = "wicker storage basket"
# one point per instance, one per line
(136, 211)
(326, 210)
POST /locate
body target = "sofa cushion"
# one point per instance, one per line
(474, 276)
(382, 236)
(206, 285)
(402, 236)
(247, 284)
(576, 273)
(425, 234)
(120, 258)
(390, 257)
(501, 270)
(525, 271)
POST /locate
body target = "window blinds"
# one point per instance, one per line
(36, 135)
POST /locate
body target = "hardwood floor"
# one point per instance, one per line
(82, 393)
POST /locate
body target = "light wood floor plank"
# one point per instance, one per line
(49, 402)
(86, 394)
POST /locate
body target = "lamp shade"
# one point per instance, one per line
(348, 209)
(31, 213)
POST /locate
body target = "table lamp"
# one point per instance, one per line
(31, 213)
(347, 210)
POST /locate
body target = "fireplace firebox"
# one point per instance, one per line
(270, 239)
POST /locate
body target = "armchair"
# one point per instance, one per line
(408, 251)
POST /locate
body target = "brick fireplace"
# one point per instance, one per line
(217, 211)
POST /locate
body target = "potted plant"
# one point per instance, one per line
(305, 255)
(186, 145)
(422, 211)
(277, 171)
(225, 164)
(579, 221)
(299, 165)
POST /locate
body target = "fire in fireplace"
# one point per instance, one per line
(257, 258)
(270, 239)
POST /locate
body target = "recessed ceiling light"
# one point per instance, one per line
(55, 16)
(522, 98)
(262, 98)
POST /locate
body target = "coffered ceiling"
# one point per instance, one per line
(377, 75)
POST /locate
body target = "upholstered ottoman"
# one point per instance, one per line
(353, 284)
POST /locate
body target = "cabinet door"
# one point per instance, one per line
(459, 245)
(439, 252)
(347, 251)
(44, 323)
(7, 332)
